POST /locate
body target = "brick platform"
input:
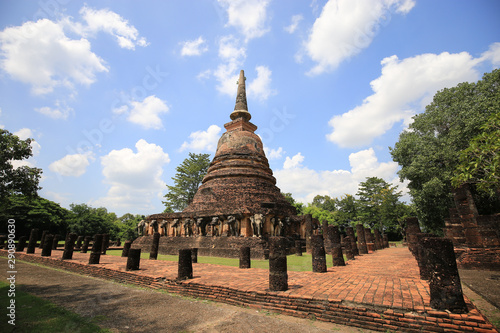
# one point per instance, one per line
(379, 291)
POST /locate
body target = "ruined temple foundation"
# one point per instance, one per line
(226, 247)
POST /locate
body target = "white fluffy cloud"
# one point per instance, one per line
(194, 47)
(305, 183)
(60, 111)
(294, 162)
(260, 87)
(72, 165)
(146, 113)
(274, 154)
(135, 177)
(203, 140)
(248, 16)
(493, 54)
(404, 88)
(232, 55)
(40, 54)
(294, 24)
(110, 22)
(345, 27)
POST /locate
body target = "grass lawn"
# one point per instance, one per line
(34, 314)
(294, 263)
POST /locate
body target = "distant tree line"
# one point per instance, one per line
(376, 205)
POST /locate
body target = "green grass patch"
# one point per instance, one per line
(34, 314)
(295, 263)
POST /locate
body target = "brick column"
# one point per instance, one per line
(278, 276)
(318, 254)
(352, 238)
(47, 245)
(444, 284)
(85, 246)
(153, 254)
(32, 241)
(309, 230)
(185, 266)
(21, 244)
(95, 255)
(44, 233)
(362, 248)
(245, 257)
(334, 236)
(126, 248)
(133, 259)
(68, 246)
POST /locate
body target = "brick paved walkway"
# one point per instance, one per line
(384, 287)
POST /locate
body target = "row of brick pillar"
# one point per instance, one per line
(437, 264)
(49, 242)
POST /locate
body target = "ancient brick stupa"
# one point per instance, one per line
(238, 202)
(239, 180)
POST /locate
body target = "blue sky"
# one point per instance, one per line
(117, 93)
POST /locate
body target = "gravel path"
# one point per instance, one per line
(130, 309)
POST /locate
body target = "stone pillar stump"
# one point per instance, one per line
(126, 248)
(318, 254)
(278, 276)
(153, 254)
(185, 268)
(68, 246)
(362, 248)
(194, 255)
(298, 248)
(55, 242)
(337, 256)
(105, 243)
(32, 241)
(79, 241)
(444, 284)
(95, 255)
(352, 239)
(44, 233)
(133, 259)
(85, 246)
(47, 245)
(21, 244)
(245, 257)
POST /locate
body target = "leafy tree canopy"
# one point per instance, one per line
(325, 202)
(21, 180)
(88, 221)
(33, 212)
(299, 206)
(188, 178)
(480, 162)
(428, 152)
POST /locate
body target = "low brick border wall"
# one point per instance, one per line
(366, 316)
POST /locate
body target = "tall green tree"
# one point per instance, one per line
(428, 152)
(187, 180)
(127, 226)
(347, 210)
(33, 212)
(377, 203)
(21, 180)
(325, 202)
(480, 162)
(87, 221)
(299, 206)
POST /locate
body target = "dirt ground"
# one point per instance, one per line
(122, 308)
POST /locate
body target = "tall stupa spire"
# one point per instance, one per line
(241, 108)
